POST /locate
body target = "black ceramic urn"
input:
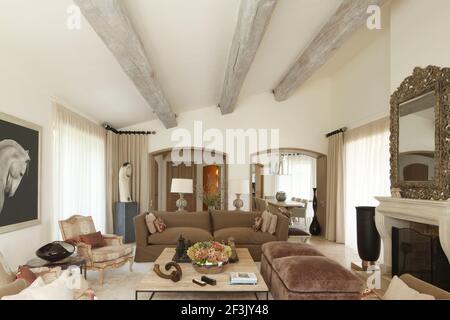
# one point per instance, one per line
(369, 242)
(315, 228)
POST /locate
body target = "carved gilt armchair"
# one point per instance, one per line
(114, 255)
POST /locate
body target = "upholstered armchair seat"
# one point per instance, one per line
(111, 253)
(114, 255)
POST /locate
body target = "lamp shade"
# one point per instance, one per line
(181, 186)
(239, 186)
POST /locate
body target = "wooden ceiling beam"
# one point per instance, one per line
(349, 18)
(254, 16)
(110, 21)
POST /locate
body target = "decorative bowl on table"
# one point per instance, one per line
(281, 196)
(55, 251)
(209, 257)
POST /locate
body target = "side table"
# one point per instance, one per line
(74, 260)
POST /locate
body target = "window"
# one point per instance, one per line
(366, 171)
(79, 162)
(297, 176)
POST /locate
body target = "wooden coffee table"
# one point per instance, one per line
(152, 283)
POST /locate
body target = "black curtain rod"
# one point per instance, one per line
(292, 154)
(336, 132)
(109, 128)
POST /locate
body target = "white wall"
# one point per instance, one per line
(303, 121)
(419, 36)
(21, 98)
(361, 85)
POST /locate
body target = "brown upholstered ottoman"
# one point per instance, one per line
(313, 278)
(281, 249)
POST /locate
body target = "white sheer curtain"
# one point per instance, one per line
(79, 162)
(297, 176)
(366, 171)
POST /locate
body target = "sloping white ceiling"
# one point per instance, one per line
(186, 41)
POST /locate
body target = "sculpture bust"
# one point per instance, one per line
(125, 182)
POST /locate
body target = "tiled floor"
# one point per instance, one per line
(335, 251)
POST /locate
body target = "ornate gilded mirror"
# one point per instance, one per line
(420, 135)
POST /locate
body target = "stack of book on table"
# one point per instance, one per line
(243, 278)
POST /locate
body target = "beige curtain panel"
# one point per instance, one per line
(335, 230)
(79, 147)
(122, 148)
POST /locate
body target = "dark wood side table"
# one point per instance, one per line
(74, 260)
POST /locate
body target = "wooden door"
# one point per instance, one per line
(181, 171)
(259, 181)
(211, 180)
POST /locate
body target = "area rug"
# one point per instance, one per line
(120, 285)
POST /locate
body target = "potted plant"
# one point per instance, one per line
(210, 197)
(209, 257)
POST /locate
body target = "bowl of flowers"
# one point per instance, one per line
(209, 257)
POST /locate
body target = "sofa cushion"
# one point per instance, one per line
(303, 274)
(200, 220)
(243, 235)
(230, 219)
(171, 235)
(280, 249)
(109, 253)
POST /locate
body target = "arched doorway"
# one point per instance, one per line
(261, 178)
(163, 170)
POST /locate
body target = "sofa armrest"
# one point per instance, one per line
(141, 230)
(113, 240)
(282, 227)
(13, 288)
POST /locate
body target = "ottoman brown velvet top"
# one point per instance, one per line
(315, 274)
(280, 249)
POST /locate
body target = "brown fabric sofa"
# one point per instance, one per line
(204, 226)
(297, 271)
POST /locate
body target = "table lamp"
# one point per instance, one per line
(239, 187)
(181, 186)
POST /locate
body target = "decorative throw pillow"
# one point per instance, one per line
(398, 290)
(26, 274)
(266, 217)
(73, 241)
(258, 224)
(96, 239)
(150, 220)
(273, 224)
(160, 225)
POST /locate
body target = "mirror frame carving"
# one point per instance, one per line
(422, 81)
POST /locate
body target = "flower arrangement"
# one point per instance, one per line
(210, 253)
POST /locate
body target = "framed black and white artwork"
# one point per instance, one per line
(20, 161)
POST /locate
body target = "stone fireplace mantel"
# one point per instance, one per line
(398, 212)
